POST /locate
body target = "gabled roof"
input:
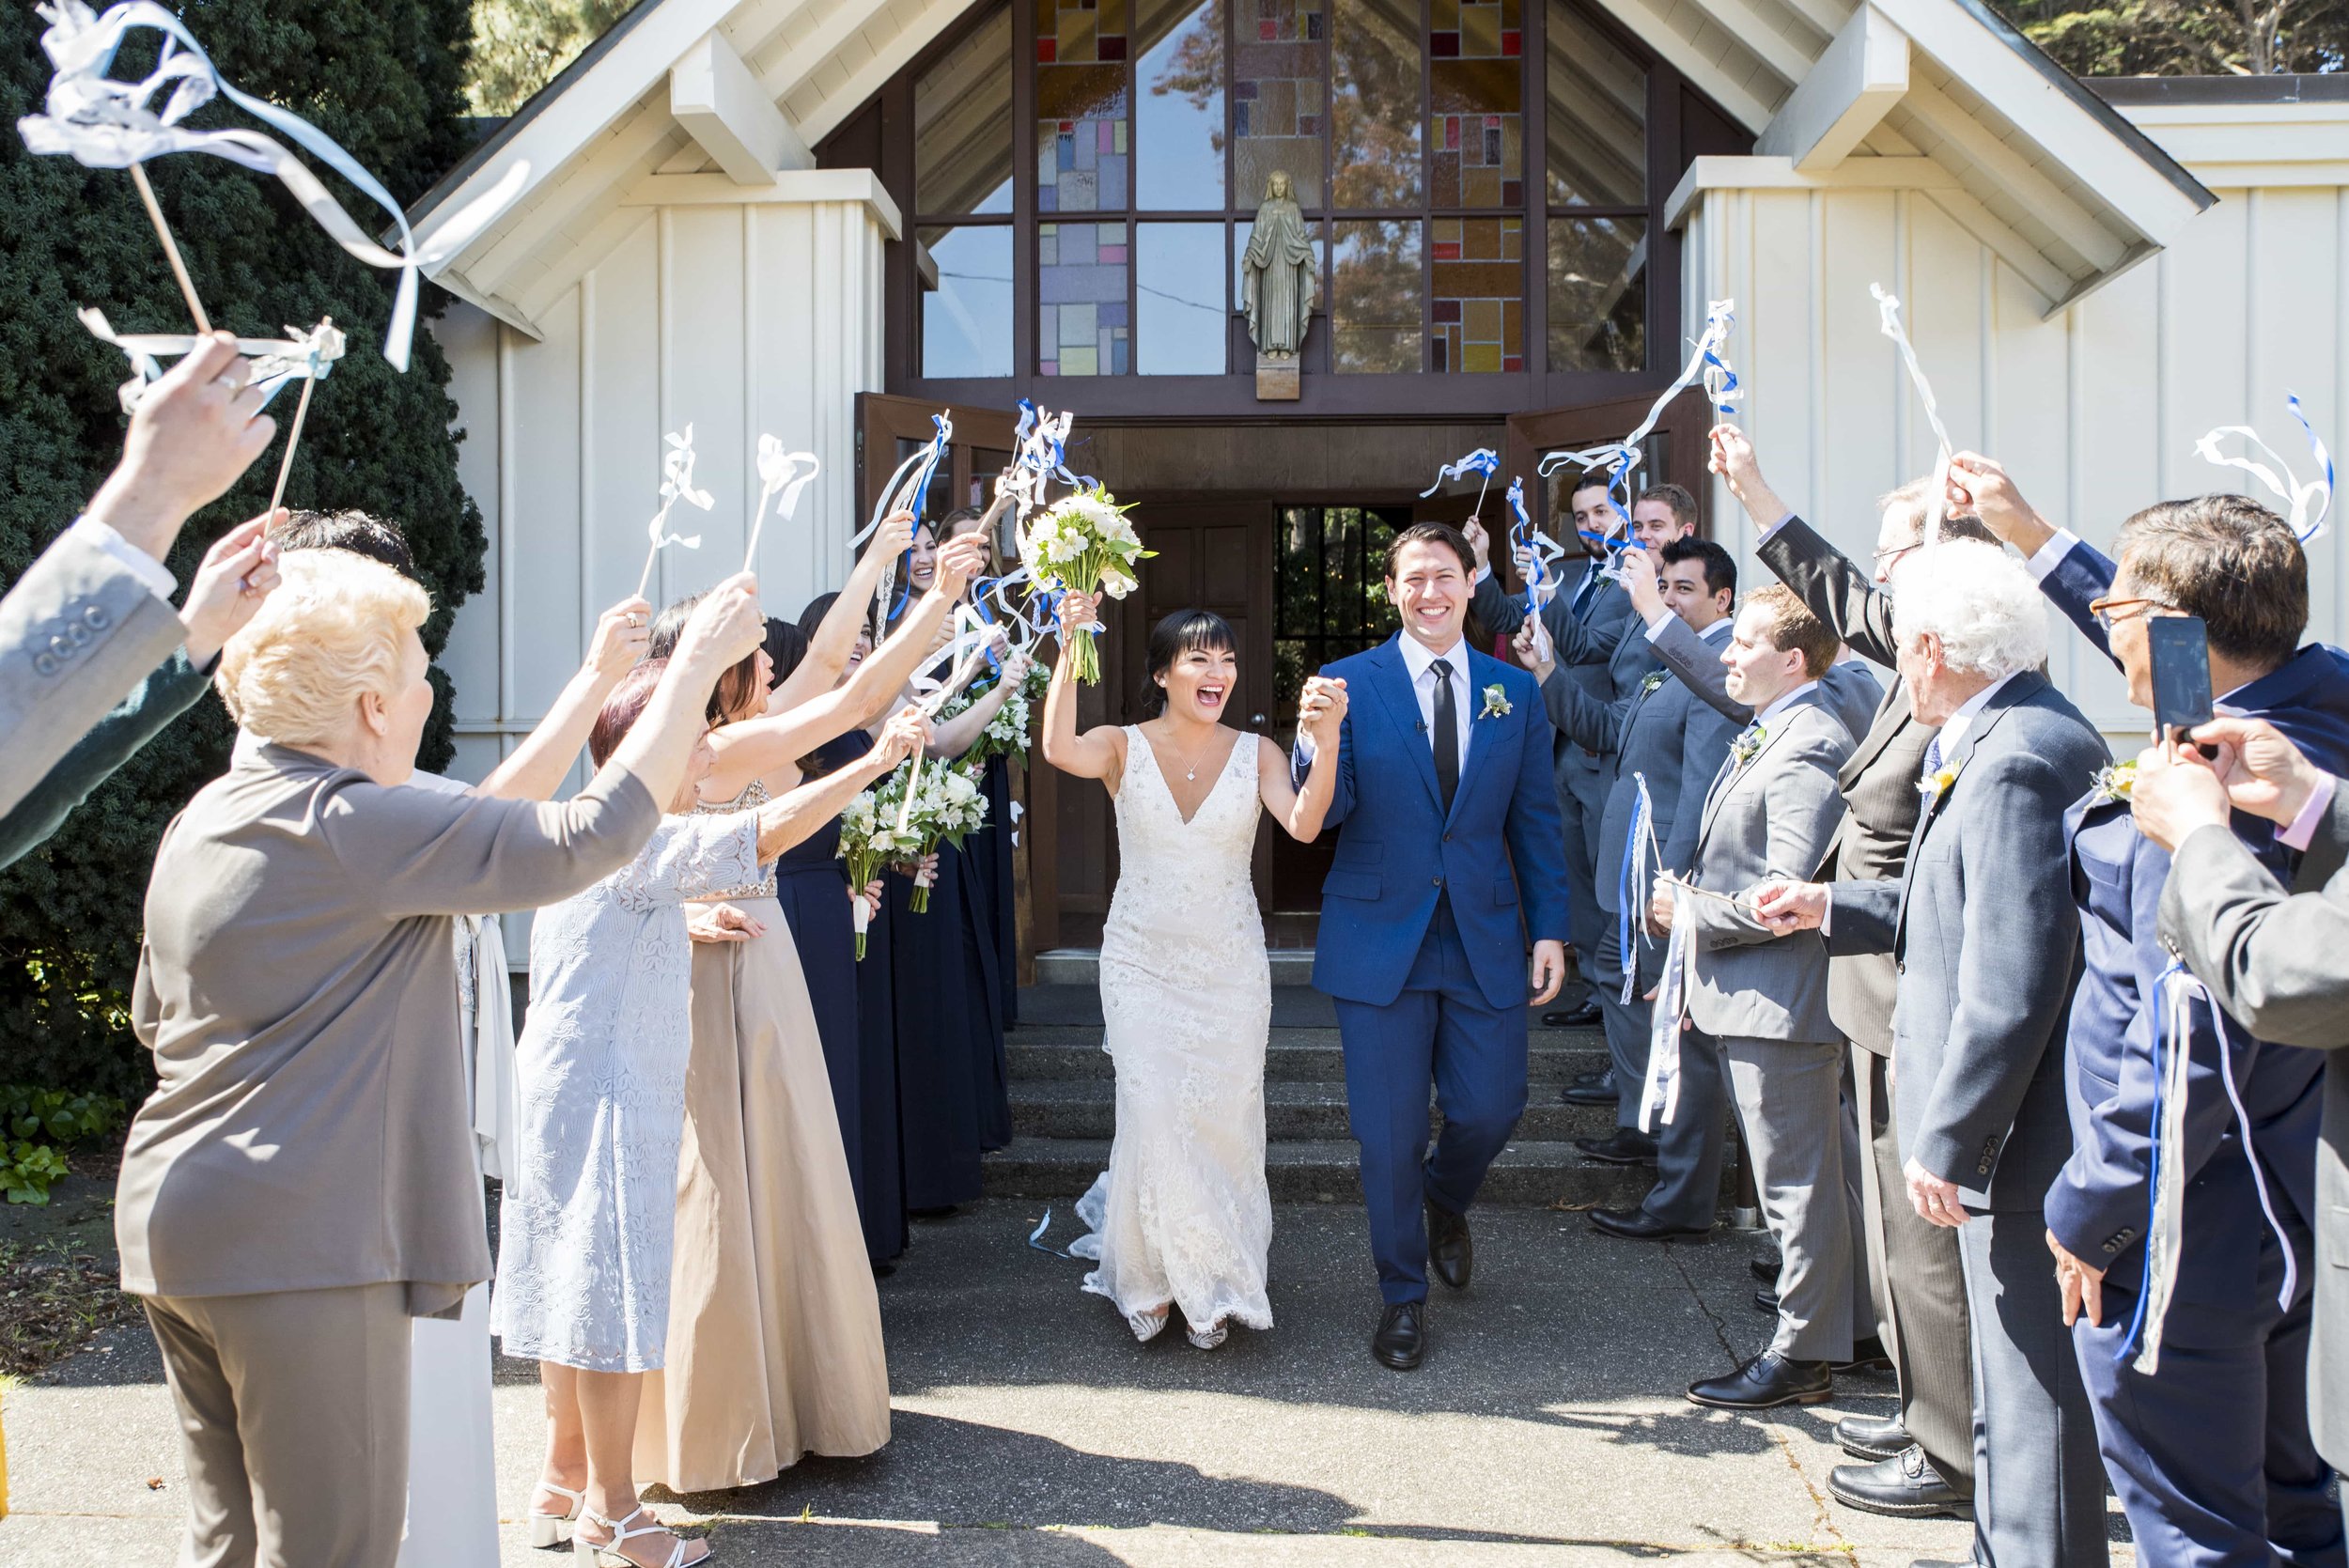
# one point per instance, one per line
(1945, 93)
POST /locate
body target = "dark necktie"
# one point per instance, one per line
(1447, 733)
(1582, 595)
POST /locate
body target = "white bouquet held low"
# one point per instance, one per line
(870, 842)
(947, 806)
(1084, 545)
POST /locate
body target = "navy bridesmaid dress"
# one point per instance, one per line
(854, 1015)
(940, 1015)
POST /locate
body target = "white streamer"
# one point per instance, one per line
(784, 473)
(299, 353)
(1660, 1095)
(1888, 322)
(676, 483)
(2297, 497)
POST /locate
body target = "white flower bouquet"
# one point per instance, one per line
(1007, 734)
(1083, 544)
(870, 841)
(948, 805)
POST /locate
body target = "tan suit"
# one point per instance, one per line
(302, 1179)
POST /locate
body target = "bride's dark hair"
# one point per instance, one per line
(1175, 636)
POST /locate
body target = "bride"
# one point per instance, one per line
(1182, 1217)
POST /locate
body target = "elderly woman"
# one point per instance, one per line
(300, 1183)
(583, 1261)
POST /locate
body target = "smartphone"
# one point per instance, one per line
(2180, 648)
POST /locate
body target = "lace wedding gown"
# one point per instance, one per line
(1183, 1215)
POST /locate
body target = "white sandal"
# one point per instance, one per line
(1208, 1338)
(554, 1529)
(606, 1554)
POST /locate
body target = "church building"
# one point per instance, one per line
(1502, 220)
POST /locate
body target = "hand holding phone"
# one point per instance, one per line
(2179, 646)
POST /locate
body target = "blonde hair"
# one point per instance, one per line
(334, 630)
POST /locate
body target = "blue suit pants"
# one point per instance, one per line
(1440, 1028)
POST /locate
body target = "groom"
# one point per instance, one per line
(1444, 790)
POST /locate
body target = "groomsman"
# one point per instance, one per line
(1921, 1461)
(1985, 941)
(1659, 734)
(1758, 998)
(2232, 1378)
(1587, 623)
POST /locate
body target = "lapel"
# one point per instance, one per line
(1598, 587)
(1477, 744)
(1393, 682)
(2020, 688)
(1893, 715)
(1725, 782)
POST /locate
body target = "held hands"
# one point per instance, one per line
(926, 871)
(1934, 1200)
(1016, 663)
(197, 429)
(1982, 487)
(1549, 970)
(2083, 1286)
(235, 576)
(1320, 712)
(623, 633)
(725, 626)
(1785, 906)
(890, 541)
(2258, 770)
(1659, 901)
(722, 923)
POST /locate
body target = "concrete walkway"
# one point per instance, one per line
(1548, 1426)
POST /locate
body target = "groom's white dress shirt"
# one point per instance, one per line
(1421, 663)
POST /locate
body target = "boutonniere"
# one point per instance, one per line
(1936, 784)
(2113, 781)
(1748, 743)
(1655, 679)
(1495, 702)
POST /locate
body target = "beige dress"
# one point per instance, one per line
(774, 1327)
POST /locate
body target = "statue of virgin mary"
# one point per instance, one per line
(1281, 283)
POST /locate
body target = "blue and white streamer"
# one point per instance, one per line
(104, 123)
(301, 353)
(1537, 555)
(908, 490)
(1483, 460)
(1631, 885)
(1660, 1094)
(1888, 322)
(2307, 506)
(1620, 461)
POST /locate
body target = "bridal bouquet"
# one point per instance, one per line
(948, 805)
(870, 843)
(1084, 543)
(1007, 734)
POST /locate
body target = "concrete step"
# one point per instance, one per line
(1325, 1171)
(1294, 1006)
(1082, 966)
(1086, 1109)
(1058, 1052)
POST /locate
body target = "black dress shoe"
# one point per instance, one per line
(1867, 1355)
(1764, 1270)
(1873, 1437)
(1581, 1017)
(1623, 1146)
(1766, 1301)
(1450, 1253)
(1639, 1225)
(1765, 1382)
(1906, 1486)
(1401, 1342)
(1592, 1089)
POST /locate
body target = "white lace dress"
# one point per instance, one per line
(591, 1190)
(1182, 1215)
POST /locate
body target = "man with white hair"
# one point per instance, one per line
(1985, 940)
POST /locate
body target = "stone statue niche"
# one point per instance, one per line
(1280, 287)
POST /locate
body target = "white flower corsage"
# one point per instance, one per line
(2115, 781)
(1748, 743)
(1495, 702)
(1655, 679)
(1936, 784)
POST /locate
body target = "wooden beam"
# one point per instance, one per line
(1743, 21)
(1855, 83)
(1723, 86)
(621, 148)
(869, 78)
(791, 187)
(713, 95)
(2016, 175)
(1720, 172)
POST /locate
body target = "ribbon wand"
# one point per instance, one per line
(783, 472)
(178, 267)
(676, 485)
(326, 346)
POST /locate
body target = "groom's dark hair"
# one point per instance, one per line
(1432, 533)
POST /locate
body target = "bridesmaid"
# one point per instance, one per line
(774, 1347)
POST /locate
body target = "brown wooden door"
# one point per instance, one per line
(889, 428)
(1676, 452)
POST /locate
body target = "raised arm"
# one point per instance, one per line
(540, 763)
(1830, 584)
(954, 737)
(2080, 577)
(835, 636)
(1099, 753)
(1592, 724)
(800, 813)
(1301, 809)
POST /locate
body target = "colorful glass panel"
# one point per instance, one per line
(1375, 290)
(1477, 311)
(1375, 106)
(1085, 156)
(1477, 124)
(1082, 328)
(1277, 116)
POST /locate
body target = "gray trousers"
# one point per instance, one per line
(1916, 1273)
(2038, 1477)
(1789, 1095)
(1690, 1147)
(1582, 805)
(294, 1420)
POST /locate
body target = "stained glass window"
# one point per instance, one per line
(1278, 119)
(1476, 128)
(1084, 155)
(1478, 307)
(1374, 98)
(1082, 328)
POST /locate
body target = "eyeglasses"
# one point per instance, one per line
(2103, 610)
(1886, 557)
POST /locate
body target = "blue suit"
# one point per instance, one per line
(2212, 1455)
(1426, 917)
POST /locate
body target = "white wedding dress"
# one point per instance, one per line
(1183, 1215)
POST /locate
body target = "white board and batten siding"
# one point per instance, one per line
(760, 313)
(2095, 408)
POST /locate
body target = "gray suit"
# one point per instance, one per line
(1985, 937)
(2276, 964)
(1660, 733)
(77, 631)
(1600, 654)
(1920, 1300)
(1760, 1000)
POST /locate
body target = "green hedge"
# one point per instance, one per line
(384, 78)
